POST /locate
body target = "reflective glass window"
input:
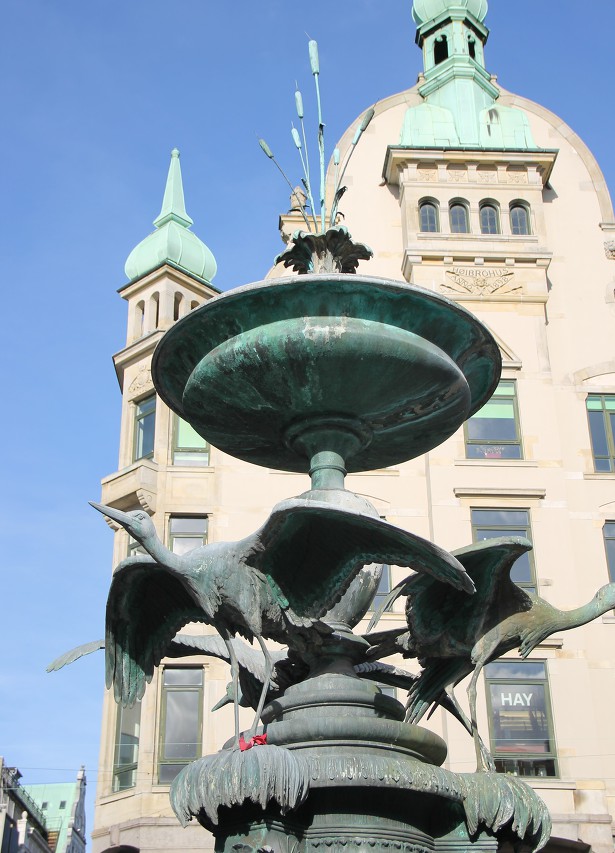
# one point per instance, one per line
(459, 219)
(601, 414)
(493, 432)
(187, 533)
(188, 446)
(181, 720)
(519, 220)
(126, 754)
(492, 523)
(489, 220)
(429, 217)
(521, 727)
(145, 422)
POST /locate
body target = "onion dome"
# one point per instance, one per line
(172, 241)
(427, 10)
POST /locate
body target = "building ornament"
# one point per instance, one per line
(609, 249)
(457, 174)
(141, 382)
(427, 174)
(517, 176)
(481, 281)
(487, 176)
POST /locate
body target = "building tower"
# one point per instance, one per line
(464, 189)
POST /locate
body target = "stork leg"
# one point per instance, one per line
(455, 708)
(266, 681)
(484, 759)
(235, 678)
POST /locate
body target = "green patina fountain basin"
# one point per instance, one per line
(371, 369)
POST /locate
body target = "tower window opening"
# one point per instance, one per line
(472, 48)
(440, 50)
(459, 218)
(177, 304)
(519, 219)
(139, 319)
(428, 214)
(489, 219)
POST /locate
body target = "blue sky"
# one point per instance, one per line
(94, 96)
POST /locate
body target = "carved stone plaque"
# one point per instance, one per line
(609, 249)
(480, 280)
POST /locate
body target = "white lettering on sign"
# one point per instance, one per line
(513, 699)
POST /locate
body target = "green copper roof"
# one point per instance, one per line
(427, 10)
(460, 108)
(172, 241)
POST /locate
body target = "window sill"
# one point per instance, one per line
(608, 620)
(509, 463)
(605, 475)
(119, 795)
(206, 468)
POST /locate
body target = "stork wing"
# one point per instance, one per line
(75, 654)
(310, 551)
(444, 622)
(248, 658)
(147, 605)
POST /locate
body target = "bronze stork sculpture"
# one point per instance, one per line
(276, 583)
(453, 640)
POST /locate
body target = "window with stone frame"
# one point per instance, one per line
(126, 752)
(187, 532)
(492, 523)
(459, 218)
(188, 446)
(601, 416)
(144, 428)
(520, 718)
(181, 720)
(429, 217)
(494, 431)
(519, 219)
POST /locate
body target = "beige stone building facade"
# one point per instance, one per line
(491, 200)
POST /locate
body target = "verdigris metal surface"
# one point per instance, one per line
(373, 369)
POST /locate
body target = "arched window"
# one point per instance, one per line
(458, 214)
(472, 47)
(519, 219)
(489, 219)
(177, 304)
(429, 220)
(440, 50)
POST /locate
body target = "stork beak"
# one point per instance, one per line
(226, 700)
(114, 514)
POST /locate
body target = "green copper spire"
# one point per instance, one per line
(172, 241)
(459, 109)
(173, 204)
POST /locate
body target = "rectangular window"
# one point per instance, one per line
(491, 523)
(145, 421)
(187, 533)
(609, 544)
(181, 720)
(188, 446)
(493, 432)
(126, 747)
(601, 414)
(384, 587)
(520, 718)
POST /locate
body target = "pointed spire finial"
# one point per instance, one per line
(173, 204)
